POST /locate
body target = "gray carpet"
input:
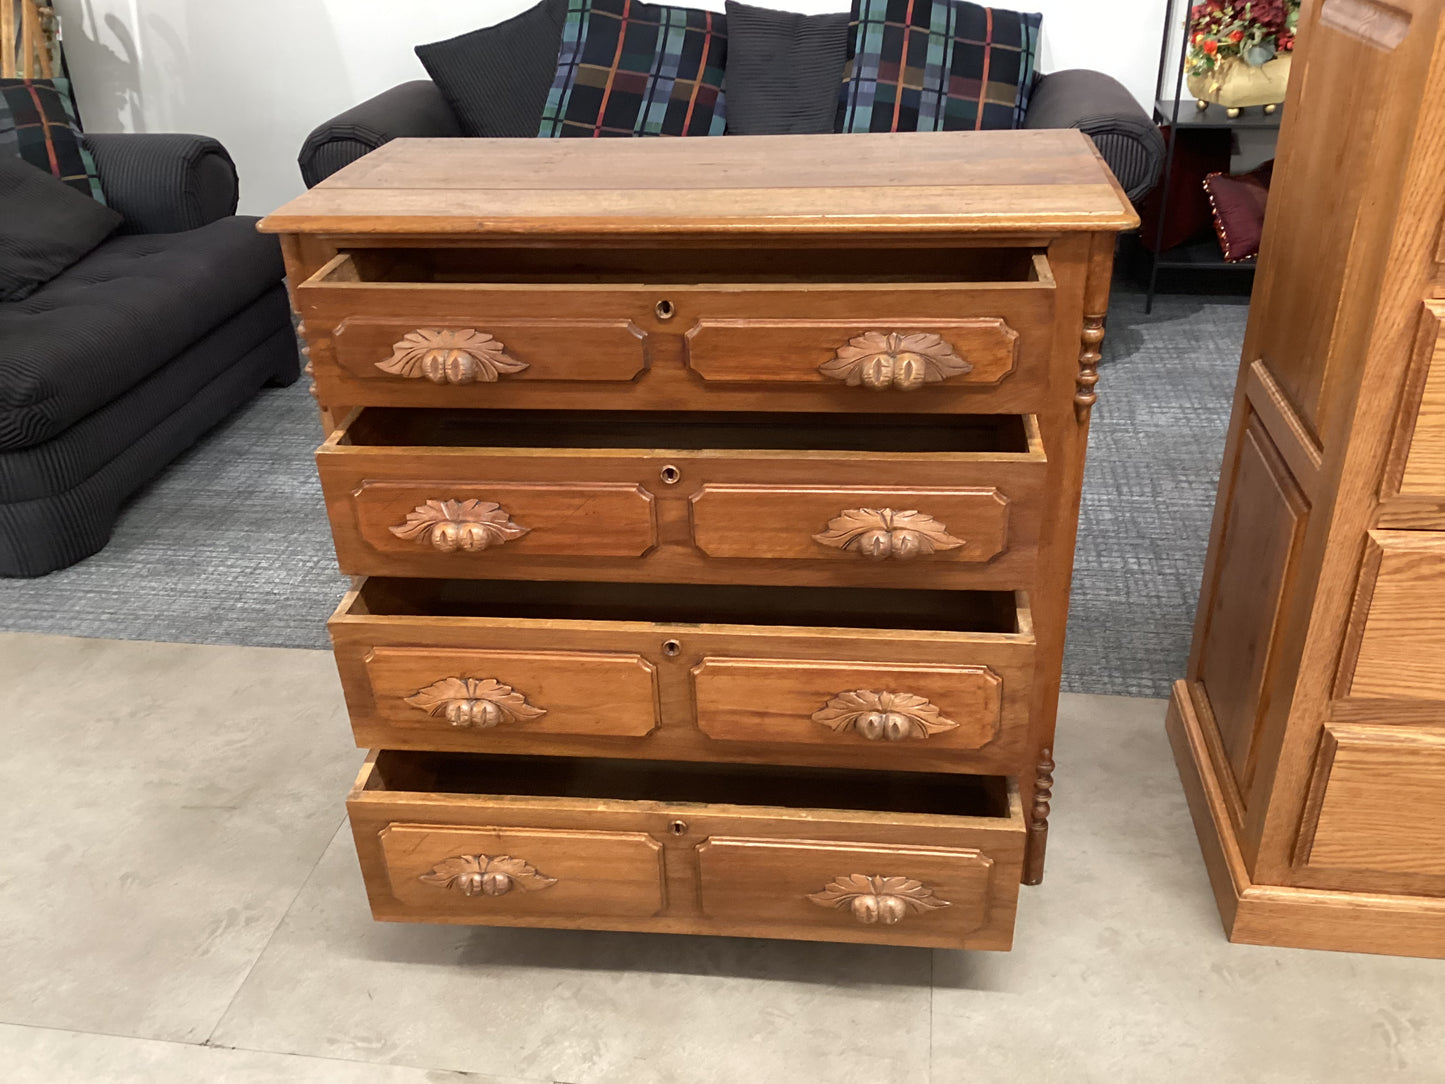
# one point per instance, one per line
(231, 546)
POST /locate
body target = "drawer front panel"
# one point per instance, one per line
(515, 871)
(486, 349)
(922, 338)
(587, 694)
(1424, 471)
(748, 345)
(1377, 804)
(972, 520)
(851, 524)
(1402, 642)
(828, 886)
(934, 701)
(852, 704)
(465, 523)
(666, 857)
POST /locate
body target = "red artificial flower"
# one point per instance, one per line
(1237, 36)
(1211, 47)
(1198, 37)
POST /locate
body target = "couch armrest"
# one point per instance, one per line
(1100, 105)
(165, 183)
(415, 110)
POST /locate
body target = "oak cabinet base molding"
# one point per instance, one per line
(711, 521)
(1310, 728)
(1288, 916)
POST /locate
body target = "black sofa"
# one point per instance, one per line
(1088, 100)
(116, 366)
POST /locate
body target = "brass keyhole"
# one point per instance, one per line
(665, 310)
(670, 475)
(671, 648)
(678, 828)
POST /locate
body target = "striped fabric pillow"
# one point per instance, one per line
(936, 65)
(631, 69)
(38, 124)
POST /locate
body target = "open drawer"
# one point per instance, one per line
(811, 854)
(916, 680)
(898, 500)
(636, 328)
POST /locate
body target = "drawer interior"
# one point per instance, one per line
(727, 430)
(682, 783)
(694, 265)
(1000, 612)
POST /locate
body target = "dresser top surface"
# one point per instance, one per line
(1032, 181)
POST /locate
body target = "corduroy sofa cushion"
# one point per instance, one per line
(783, 70)
(125, 310)
(496, 79)
(45, 227)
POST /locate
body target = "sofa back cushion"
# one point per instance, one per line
(936, 65)
(45, 227)
(38, 124)
(783, 70)
(627, 68)
(496, 79)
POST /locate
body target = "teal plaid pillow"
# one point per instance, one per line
(936, 65)
(632, 69)
(38, 124)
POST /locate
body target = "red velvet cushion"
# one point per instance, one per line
(1200, 152)
(1237, 203)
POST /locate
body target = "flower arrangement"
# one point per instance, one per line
(1255, 32)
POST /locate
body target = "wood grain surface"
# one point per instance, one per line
(602, 835)
(915, 182)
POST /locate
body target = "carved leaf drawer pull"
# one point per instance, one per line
(460, 525)
(882, 360)
(880, 533)
(878, 899)
(484, 875)
(450, 356)
(882, 716)
(474, 702)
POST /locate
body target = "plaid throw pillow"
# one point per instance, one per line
(38, 124)
(632, 69)
(936, 65)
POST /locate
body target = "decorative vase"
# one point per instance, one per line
(1237, 85)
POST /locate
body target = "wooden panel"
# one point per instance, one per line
(981, 680)
(602, 829)
(611, 506)
(588, 694)
(957, 525)
(1263, 529)
(1402, 645)
(481, 873)
(752, 351)
(1041, 180)
(945, 893)
(592, 519)
(841, 704)
(1376, 802)
(1424, 474)
(551, 349)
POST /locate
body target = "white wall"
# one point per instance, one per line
(260, 74)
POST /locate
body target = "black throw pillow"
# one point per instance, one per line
(784, 70)
(45, 227)
(496, 79)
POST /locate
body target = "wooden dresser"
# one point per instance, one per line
(712, 507)
(1311, 730)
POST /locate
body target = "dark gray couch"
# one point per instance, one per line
(112, 369)
(1088, 100)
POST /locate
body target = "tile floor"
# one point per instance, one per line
(179, 901)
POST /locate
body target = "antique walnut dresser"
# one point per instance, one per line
(1310, 732)
(711, 504)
